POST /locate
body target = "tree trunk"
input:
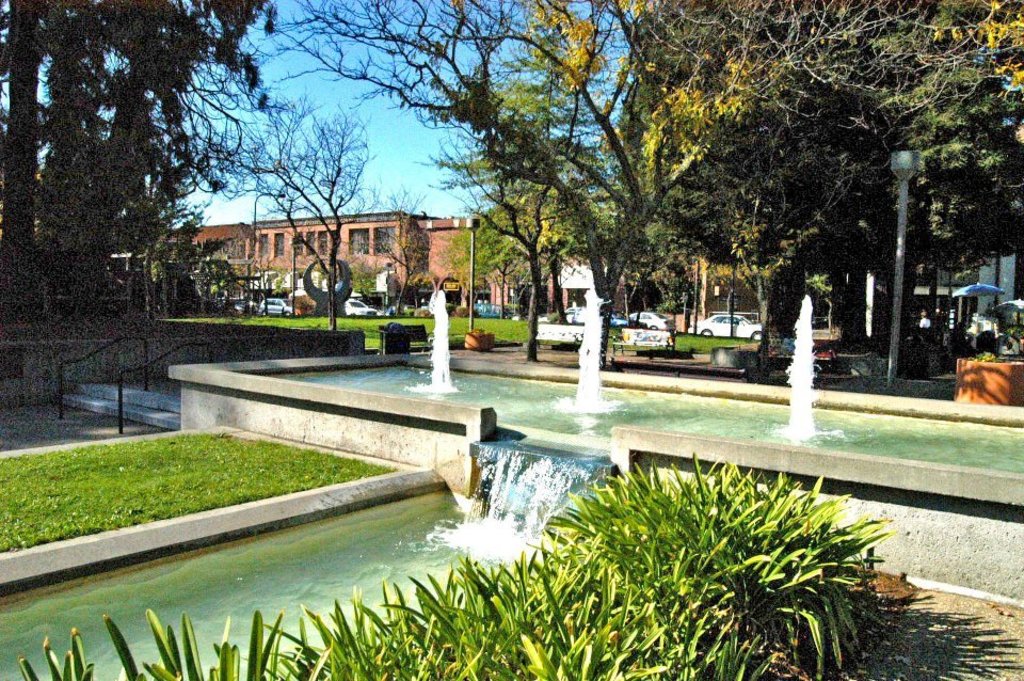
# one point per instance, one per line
(761, 288)
(19, 279)
(605, 283)
(533, 312)
(849, 292)
(557, 303)
(504, 282)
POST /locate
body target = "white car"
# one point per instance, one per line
(718, 325)
(652, 320)
(357, 308)
(276, 307)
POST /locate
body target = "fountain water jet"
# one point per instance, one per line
(588, 390)
(801, 378)
(440, 356)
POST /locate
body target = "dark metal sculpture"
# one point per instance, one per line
(342, 289)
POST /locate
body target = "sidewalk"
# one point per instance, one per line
(38, 426)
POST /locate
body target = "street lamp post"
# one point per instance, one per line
(904, 164)
(472, 272)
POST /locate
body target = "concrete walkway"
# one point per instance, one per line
(945, 636)
(38, 426)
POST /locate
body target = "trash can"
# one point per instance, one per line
(394, 339)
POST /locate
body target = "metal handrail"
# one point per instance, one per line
(106, 346)
(145, 369)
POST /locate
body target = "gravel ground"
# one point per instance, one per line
(944, 636)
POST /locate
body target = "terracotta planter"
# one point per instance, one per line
(990, 382)
(479, 341)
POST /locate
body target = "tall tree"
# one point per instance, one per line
(18, 272)
(626, 141)
(141, 104)
(313, 168)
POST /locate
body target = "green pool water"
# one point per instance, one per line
(532, 405)
(312, 565)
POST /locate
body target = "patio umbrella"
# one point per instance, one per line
(975, 290)
(1011, 306)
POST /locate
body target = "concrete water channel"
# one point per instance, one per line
(948, 476)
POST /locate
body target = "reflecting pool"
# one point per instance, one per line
(530, 404)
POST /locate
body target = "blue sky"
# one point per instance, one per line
(401, 148)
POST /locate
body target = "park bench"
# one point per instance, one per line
(411, 337)
(559, 334)
(644, 339)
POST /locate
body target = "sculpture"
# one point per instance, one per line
(342, 289)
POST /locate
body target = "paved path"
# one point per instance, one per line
(954, 638)
(38, 426)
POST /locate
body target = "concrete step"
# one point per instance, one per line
(132, 412)
(149, 399)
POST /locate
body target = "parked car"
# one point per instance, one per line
(718, 325)
(276, 307)
(242, 306)
(574, 315)
(487, 311)
(357, 308)
(652, 320)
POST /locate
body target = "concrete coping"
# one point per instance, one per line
(263, 378)
(62, 560)
(1000, 487)
(910, 407)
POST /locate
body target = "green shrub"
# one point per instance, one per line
(460, 311)
(659, 575)
(775, 563)
(421, 313)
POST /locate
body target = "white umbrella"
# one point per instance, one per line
(1011, 306)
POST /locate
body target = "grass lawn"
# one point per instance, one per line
(92, 489)
(503, 329)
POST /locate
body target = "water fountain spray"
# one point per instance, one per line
(588, 390)
(440, 356)
(801, 378)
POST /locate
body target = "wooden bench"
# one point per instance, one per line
(559, 334)
(644, 339)
(416, 333)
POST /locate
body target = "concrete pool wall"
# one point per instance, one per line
(407, 430)
(954, 525)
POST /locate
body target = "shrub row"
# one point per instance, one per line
(659, 575)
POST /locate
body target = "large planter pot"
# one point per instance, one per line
(990, 382)
(480, 341)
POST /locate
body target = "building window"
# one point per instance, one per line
(359, 241)
(383, 240)
(321, 243)
(264, 246)
(297, 245)
(279, 245)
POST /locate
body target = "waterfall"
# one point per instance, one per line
(801, 379)
(522, 486)
(440, 356)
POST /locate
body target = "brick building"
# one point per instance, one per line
(392, 247)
